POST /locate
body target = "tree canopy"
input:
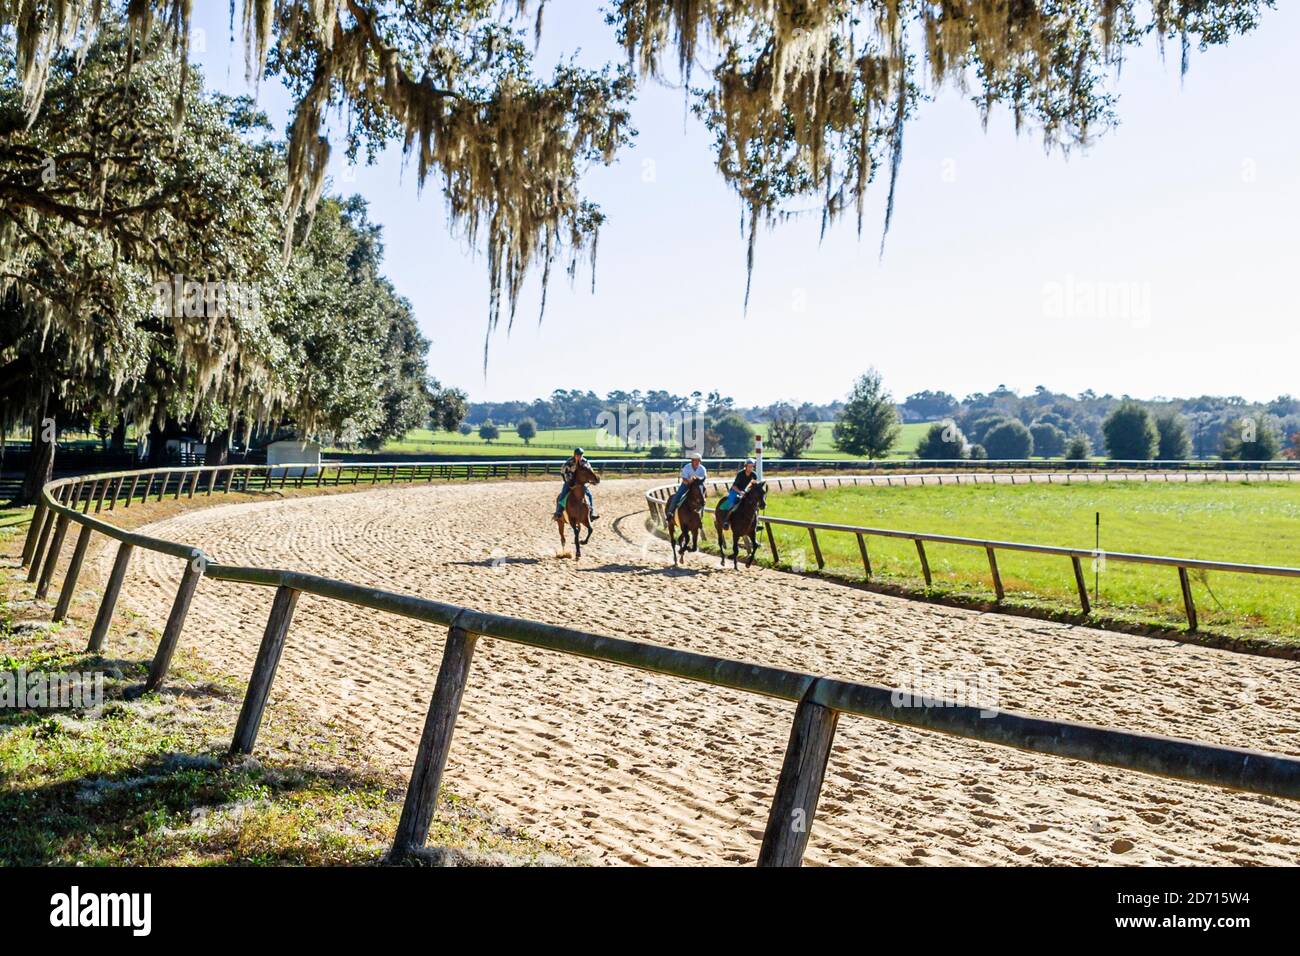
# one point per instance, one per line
(869, 423)
(805, 98)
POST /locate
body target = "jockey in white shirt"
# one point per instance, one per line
(693, 469)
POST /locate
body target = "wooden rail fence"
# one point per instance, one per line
(819, 701)
(657, 501)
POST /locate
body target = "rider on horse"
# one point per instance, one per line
(743, 479)
(693, 471)
(571, 465)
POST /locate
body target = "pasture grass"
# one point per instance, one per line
(823, 445)
(555, 442)
(1248, 523)
(549, 443)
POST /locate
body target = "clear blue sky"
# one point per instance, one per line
(1159, 262)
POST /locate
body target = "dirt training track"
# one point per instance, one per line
(630, 767)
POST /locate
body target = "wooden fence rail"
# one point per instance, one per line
(819, 700)
(657, 498)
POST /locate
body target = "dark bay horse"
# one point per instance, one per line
(576, 511)
(689, 516)
(744, 523)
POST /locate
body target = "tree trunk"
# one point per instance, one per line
(118, 441)
(218, 446)
(40, 464)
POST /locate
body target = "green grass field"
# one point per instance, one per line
(1243, 523)
(549, 443)
(823, 445)
(552, 443)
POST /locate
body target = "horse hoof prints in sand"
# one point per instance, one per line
(576, 512)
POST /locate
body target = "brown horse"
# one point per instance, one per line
(690, 516)
(744, 523)
(576, 511)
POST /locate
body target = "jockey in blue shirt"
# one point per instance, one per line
(571, 465)
(691, 470)
(744, 478)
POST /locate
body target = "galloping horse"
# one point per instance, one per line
(576, 511)
(744, 523)
(689, 513)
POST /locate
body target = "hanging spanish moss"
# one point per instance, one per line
(806, 98)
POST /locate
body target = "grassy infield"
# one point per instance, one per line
(1255, 523)
(146, 781)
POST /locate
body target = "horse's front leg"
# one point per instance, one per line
(753, 549)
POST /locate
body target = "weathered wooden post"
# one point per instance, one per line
(771, 542)
(74, 571)
(176, 620)
(51, 559)
(1081, 584)
(34, 569)
(268, 659)
(997, 578)
(105, 616)
(435, 742)
(817, 551)
(789, 822)
(866, 561)
(33, 532)
(131, 494)
(1188, 604)
(925, 563)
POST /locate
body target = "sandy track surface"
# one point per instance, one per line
(628, 767)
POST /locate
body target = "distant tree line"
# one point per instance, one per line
(1004, 424)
